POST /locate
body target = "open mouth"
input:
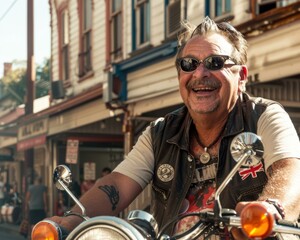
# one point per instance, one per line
(203, 89)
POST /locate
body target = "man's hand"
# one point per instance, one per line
(69, 223)
(238, 233)
(270, 207)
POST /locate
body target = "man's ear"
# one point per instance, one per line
(243, 78)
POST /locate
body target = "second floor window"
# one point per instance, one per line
(116, 29)
(173, 16)
(267, 5)
(85, 57)
(64, 43)
(217, 8)
(142, 21)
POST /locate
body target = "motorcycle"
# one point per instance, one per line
(255, 221)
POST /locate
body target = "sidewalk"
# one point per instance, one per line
(9, 227)
(11, 230)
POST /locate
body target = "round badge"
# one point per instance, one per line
(165, 172)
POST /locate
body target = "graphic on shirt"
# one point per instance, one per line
(204, 173)
(165, 172)
(201, 201)
(201, 195)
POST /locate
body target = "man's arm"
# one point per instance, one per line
(114, 192)
(282, 185)
(27, 199)
(109, 196)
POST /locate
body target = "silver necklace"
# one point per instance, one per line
(205, 157)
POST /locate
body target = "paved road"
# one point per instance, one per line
(10, 236)
(10, 232)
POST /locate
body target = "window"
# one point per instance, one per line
(267, 5)
(142, 21)
(116, 29)
(173, 16)
(217, 8)
(85, 62)
(64, 43)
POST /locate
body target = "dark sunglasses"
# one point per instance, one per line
(213, 63)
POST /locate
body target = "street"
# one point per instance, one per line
(10, 232)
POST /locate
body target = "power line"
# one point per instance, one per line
(7, 11)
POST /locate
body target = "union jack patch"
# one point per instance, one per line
(251, 171)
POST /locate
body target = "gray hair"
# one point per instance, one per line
(208, 26)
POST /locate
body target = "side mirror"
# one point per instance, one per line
(62, 174)
(62, 178)
(245, 142)
(246, 148)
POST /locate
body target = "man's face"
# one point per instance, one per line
(210, 91)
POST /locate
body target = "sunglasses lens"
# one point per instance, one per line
(188, 64)
(214, 62)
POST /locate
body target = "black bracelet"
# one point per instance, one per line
(63, 233)
(277, 205)
(70, 213)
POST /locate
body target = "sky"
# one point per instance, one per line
(13, 30)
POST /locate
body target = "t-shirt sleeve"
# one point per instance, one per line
(278, 135)
(139, 163)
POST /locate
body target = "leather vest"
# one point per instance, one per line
(175, 166)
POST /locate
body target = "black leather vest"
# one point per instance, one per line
(175, 166)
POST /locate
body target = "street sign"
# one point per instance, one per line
(72, 151)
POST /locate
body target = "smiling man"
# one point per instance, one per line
(185, 155)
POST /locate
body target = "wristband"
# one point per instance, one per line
(277, 205)
(64, 232)
(70, 213)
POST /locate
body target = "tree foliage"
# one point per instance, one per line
(14, 86)
(43, 79)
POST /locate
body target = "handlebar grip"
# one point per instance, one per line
(288, 223)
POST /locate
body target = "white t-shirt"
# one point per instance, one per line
(275, 128)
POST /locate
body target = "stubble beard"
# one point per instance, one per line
(203, 110)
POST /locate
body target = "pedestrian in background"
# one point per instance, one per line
(36, 202)
(14, 196)
(2, 194)
(86, 185)
(7, 188)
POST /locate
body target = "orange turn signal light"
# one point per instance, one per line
(44, 230)
(256, 221)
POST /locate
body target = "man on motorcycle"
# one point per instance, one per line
(186, 154)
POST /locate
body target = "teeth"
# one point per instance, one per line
(203, 89)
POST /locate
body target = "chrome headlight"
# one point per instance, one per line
(107, 227)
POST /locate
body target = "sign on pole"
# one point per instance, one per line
(72, 151)
(89, 171)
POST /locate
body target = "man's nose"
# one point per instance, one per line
(201, 70)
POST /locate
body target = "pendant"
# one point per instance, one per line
(205, 157)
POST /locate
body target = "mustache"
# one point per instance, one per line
(209, 83)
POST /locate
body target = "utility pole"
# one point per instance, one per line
(29, 153)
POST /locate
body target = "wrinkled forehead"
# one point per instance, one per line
(208, 44)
